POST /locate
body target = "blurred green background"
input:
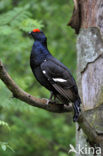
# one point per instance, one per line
(26, 130)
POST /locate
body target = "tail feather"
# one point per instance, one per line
(77, 109)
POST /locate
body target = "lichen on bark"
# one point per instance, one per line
(89, 46)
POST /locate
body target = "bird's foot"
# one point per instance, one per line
(52, 98)
(52, 101)
(49, 101)
(51, 95)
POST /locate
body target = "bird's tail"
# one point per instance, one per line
(77, 109)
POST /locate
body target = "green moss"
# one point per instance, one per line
(100, 98)
(95, 118)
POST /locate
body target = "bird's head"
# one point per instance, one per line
(38, 35)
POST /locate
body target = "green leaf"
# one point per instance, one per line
(14, 16)
(29, 24)
(4, 147)
(6, 30)
(3, 123)
(10, 148)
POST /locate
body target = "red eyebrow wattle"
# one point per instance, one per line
(36, 30)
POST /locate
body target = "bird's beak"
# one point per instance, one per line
(29, 33)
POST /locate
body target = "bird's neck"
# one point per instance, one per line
(39, 53)
(42, 45)
(42, 41)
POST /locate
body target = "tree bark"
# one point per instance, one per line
(90, 64)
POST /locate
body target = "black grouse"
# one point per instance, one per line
(52, 74)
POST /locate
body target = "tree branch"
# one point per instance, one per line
(31, 100)
(43, 103)
(92, 136)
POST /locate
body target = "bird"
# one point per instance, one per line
(52, 74)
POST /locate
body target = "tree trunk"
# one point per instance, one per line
(90, 79)
(88, 14)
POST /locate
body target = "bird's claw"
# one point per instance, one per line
(52, 101)
(48, 101)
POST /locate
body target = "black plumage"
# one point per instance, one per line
(52, 74)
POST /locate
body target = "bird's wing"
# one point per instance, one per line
(60, 77)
